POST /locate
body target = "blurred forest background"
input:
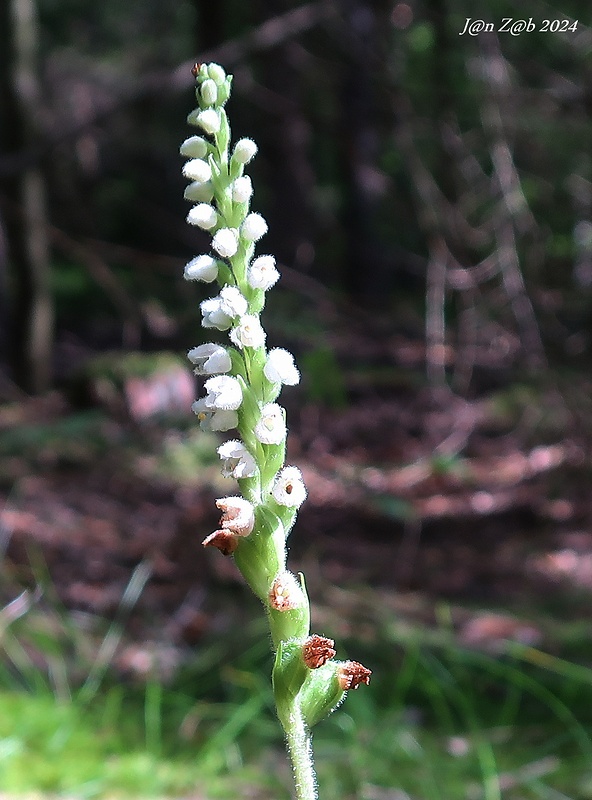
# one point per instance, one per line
(429, 200)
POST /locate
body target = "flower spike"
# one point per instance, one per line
(241, 382)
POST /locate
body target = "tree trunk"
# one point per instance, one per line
(23, 198)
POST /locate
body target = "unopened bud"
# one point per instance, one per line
(244, 151)
(209, 120)
(194, 147)
(216, 73)
(209, 92)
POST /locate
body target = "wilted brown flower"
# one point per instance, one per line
(285, 593)
(317, 650)
(351, 674)
(225, 541)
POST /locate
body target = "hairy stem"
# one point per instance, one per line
(299, 747)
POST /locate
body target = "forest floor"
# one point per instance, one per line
(482, 503)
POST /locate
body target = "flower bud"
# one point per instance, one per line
(209, 92)
(204, 216)
(197, 170)
(198, 192)
(225, 242)
(194, 147)
(201, 268)
(209, 120)
(242, 189)
(244, 151)
(216, 73)
(254, 227)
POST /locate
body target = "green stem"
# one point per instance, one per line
(300, 751)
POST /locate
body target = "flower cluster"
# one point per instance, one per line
(242, 383)
(243, 379)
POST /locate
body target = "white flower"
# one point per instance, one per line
(210, 359)
(242, 189)
(197, 170)
(198, 192)
(204, 215)
(225, 242)
(271, 428)
(288, 488)
(213, 314)
(211, 419)
(194, 147)
(244, 151)
(209, 120)
(219, 312)
(237, 461)
(262, 273)
(224, 393)
(248, 332)
(201, 268)
(216, 73)
(209, 92)
(254, 227)
(280, 367)
(238, 515)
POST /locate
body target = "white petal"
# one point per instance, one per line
(280, 367)
(209, 120)
(225, 242)
(271, 428)
(224, 393)
(194, 147)
(244, 151)
(262, 273)
(242, 189)
(198, 192)
(210, 359)
(288, 488)
(197, 170)
(201, 268)
(248, 333)
(203, 215)
(254, 227)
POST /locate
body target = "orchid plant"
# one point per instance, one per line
(242, 383)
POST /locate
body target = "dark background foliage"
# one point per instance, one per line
(388, 144)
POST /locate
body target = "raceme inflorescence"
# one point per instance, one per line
(243, 380)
